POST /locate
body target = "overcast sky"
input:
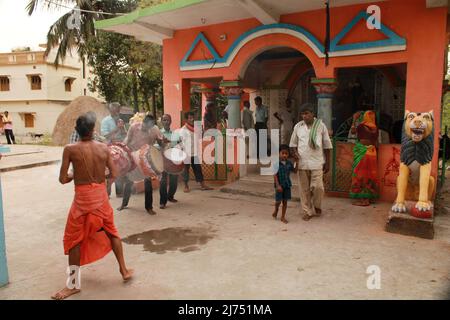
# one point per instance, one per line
(20, 30)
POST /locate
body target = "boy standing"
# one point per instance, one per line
(283, 182)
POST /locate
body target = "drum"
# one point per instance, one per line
(122, 158)
(174, 160)
(135, 175)
(149, 161)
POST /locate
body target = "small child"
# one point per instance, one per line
(283, 182)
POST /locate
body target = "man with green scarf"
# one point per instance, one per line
(311, 144)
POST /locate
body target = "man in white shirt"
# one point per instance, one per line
(311, 144)
(286, 119)
(188, 141)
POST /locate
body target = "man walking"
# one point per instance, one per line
(90, 232)
(7, 121)
(188, 140)
(261, 117)
(311, 144)
(164, 194)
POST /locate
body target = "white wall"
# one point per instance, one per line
(46, 115)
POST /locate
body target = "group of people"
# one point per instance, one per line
(310, 147)
(90, 232)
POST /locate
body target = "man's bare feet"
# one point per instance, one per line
(284, 220)
(318, 212)
(274, 215)
(173, 200)
(306, 217)
(163, 206)
(151, 212)
(122, 208)
(127, 275)
(65, 293)
(186, 190)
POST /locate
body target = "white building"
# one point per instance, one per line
(35, 92)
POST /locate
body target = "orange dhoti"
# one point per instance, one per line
(89, 217)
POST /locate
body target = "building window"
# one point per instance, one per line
(12, 58)
(36, 83)
(29, 120)
(68, 85)
(4, 84)
(31, 57)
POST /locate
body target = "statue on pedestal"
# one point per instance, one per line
(415, 182)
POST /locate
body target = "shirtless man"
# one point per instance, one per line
(90, 232)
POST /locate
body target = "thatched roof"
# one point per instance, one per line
(66, 120)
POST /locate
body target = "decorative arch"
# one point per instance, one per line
(280, 29)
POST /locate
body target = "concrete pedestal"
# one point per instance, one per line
(406, 224)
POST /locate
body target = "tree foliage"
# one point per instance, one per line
(65, 38)
(125, 70)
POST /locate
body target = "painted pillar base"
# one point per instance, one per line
(408, 225)
(325, 90)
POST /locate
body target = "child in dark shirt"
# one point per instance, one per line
(283, 182)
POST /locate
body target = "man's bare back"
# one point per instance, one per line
(89, 159)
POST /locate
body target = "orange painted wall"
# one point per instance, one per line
(424, 30)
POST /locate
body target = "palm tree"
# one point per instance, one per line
(65, 38)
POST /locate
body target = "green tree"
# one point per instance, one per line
(126, 70)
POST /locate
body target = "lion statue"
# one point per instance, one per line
(415, 181)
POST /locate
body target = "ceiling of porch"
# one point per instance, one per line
(156, 23)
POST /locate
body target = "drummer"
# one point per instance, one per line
(188, 142)
(168, 195)
(140, 134)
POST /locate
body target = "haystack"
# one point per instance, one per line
(66, 120)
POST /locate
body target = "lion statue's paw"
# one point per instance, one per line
(399, 207)
(423, 205)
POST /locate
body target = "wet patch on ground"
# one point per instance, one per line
(172, 239)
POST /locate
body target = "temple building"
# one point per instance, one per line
(389, 56)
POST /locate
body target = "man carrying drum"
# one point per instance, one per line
(188, 141)
(139, 135)
(168, 195)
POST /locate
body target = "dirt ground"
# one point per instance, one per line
(214, 245)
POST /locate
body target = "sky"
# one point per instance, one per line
(17, 29)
